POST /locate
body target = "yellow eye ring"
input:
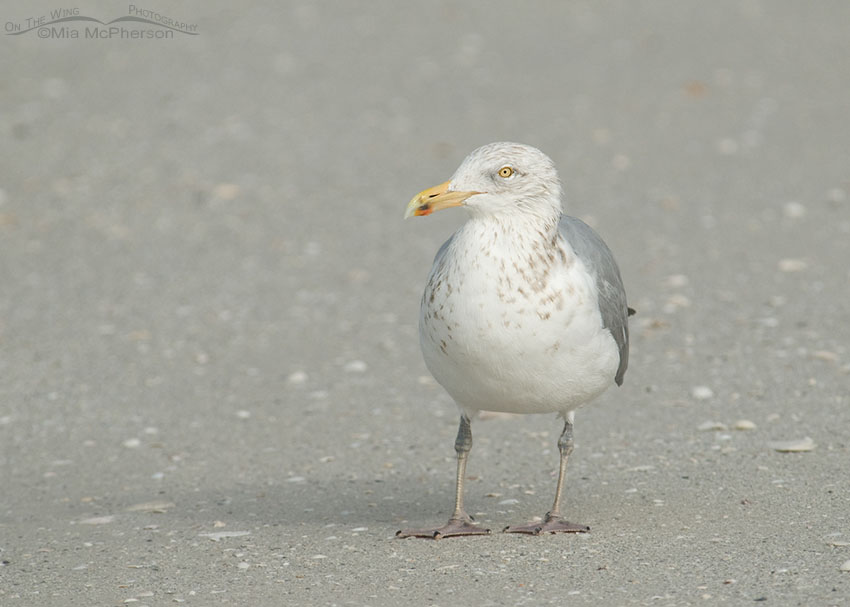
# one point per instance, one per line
(506, 172)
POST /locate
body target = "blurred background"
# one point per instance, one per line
(208, 297)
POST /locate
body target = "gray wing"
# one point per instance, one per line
(442, 250)
(598, 259)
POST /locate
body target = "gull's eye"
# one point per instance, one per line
(506, 172)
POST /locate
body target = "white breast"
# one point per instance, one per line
(512, 324)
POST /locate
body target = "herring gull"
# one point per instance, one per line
(524, 310)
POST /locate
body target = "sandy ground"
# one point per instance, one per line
(211, 391)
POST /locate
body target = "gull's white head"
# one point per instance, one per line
(497, 179)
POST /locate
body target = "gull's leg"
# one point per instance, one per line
(554, 522)
(460, 523)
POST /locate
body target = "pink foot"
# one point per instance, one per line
(455, 527)
(551, 524)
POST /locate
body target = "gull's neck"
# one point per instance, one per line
(512, 229)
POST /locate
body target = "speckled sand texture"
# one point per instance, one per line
(211, 391)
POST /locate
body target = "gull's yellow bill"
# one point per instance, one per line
(434, 199)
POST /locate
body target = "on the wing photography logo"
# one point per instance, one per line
(69, 23)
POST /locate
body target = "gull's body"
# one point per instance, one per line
(511, 302)
(524, 310)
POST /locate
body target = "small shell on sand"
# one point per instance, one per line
(793, 446)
